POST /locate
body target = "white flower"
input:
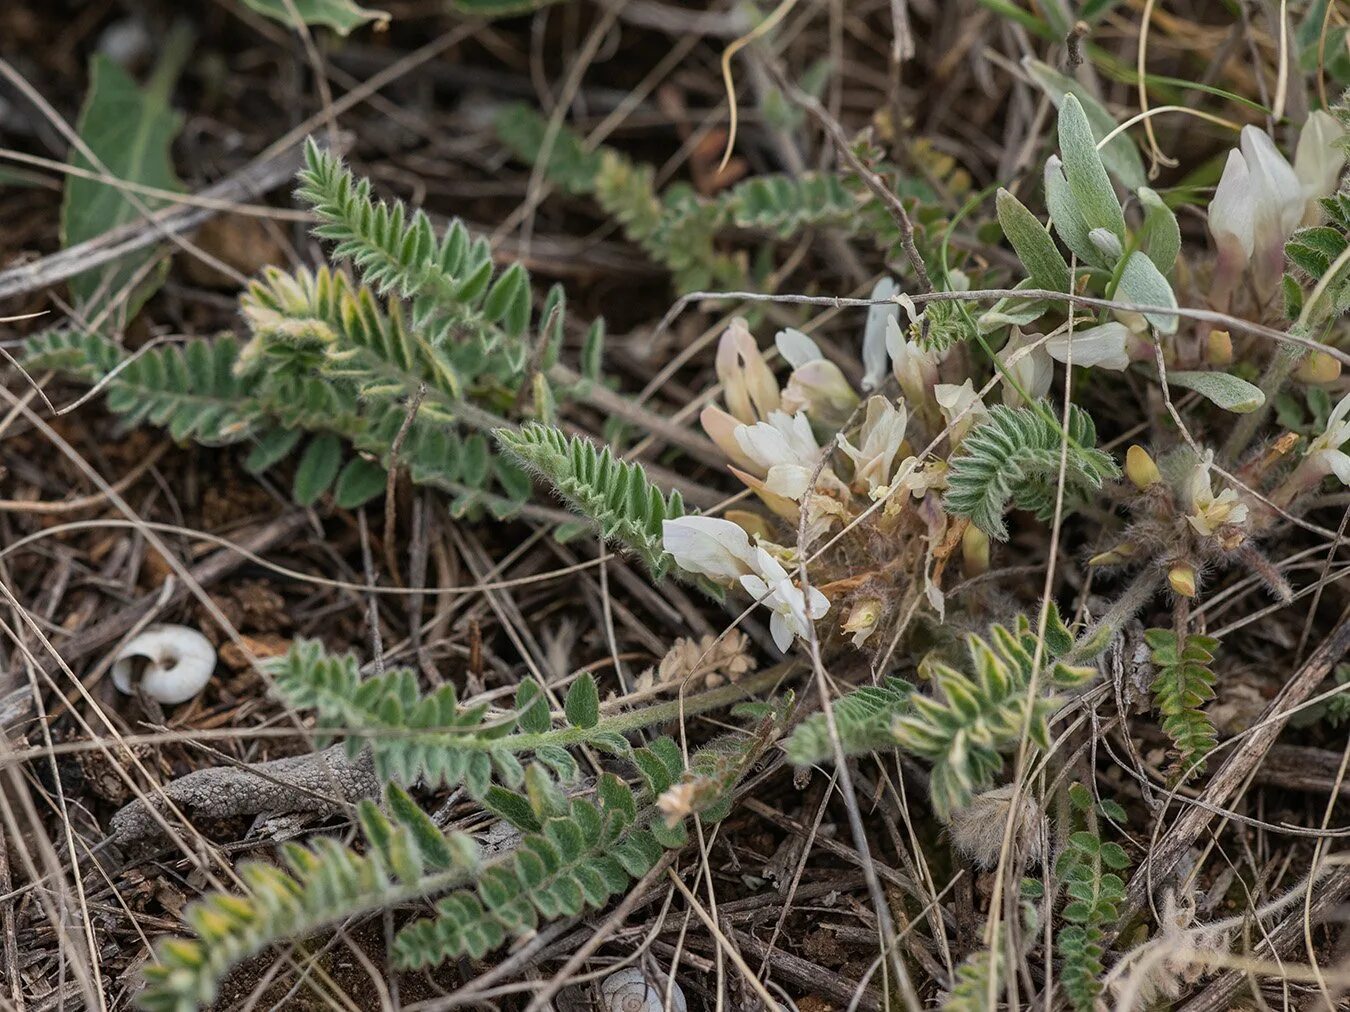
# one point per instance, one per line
(862, 620)
(1210, 511)
(915, 368)
(1027, 361)
(816, 385)
(709, 546)
(1325, 452)
(721, 429)
(1102, 346)
(915, 476)
(1318, 161)
(882, 432)
(961, 407)
(785, 449)
(1261, 198)
(793, 610)
(748, 385)
(875, 339)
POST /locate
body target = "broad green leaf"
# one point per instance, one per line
(1068, 222)
(1093, 194)
(340, 15)
(1120, 155)
(1160, 235)
(130, 130)
(317, 469)
(1228, 392)
(1012, 312)
(1033, 244)
(270, 447)
(582, 703)
(361, 480)
(1142, 284)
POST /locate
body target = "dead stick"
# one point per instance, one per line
(1219, 994)
(1242, 761)
(248, 183)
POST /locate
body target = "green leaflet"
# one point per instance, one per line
(1142, 284)
(1227, 391)
(1037, 251)
(614, 494)
(1120, 156)
(130, 130)
(340, 15)
(1093, 194)
(407, 857)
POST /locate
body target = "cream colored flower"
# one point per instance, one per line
(1318, 161)
(961, 407)
(785, 449)
(793, 609)
(709, 546)
(748, 384)
(1026, 361)
(1324, 453)
(816, 384)
(914, 368)
(882, 432)
(862, 620)
(1210, 511)
(1261, 198)
(875, 333)
(1103, 346)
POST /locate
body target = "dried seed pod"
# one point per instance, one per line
(175, 663)
(977, 829)
(631, 990)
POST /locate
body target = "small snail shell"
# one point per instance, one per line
(631, 990)
(179, 662)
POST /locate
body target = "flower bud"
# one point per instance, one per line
(974, 551)
(1219, 347)
(862, 620)
(1119, 555)
(1140, 468)
(1182, 579)
(1318, 368)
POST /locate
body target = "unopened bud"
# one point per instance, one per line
(974, 551)
(1182, 578)
(1318, 368)
(1122, 553)
(1219, 347)
(1140, 469)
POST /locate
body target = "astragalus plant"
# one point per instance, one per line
(879, 495)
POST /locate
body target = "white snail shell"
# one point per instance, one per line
(631, 990)
(179, 662)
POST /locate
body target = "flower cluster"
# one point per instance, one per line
(866, 467)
